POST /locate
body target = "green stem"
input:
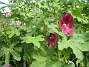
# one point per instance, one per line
(6, 37)
(56, 19)
(57, 52)
(44, 22)
(56, 16)
(75, 4)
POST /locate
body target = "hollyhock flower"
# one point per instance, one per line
(7, 14)
(67, 24)
(18, 23)
(52, 39)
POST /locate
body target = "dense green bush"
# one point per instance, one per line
(45, 33)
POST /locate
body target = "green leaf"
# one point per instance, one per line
(36, 43)
(22, 13)
(19, 49)
(50, 19)
(86, 36)
(39, 38)
(88, 64)
(83, 47)
(17, 32)
(50, 51)
(65, 43)
(55, 30)
(37, 57)
(29, 14)
(1, 63)
(16, 55)
(1, 53)
(5, 50)
(11, 35)
(77, 12)
(22, 28)
(82, 20)
(77, 52)
(37, 64)
(77, 44)
(62, 45)
(7, 57)
(44, 62)
(87, 44)
(13, 32)
(69, 65)
(47, 63)
(53, 27)
(34, 40)
(63, 35)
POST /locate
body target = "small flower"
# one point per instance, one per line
(7, 14)
(67, 24)
(18, 23)
(52, 39)
(36, 10)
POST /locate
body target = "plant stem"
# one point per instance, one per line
(56, 16)
(24, 63)
(6, 37)
(74, 4)
(44, 22)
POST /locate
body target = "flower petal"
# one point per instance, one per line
(67, 24)
(52, 39)
(67, 30)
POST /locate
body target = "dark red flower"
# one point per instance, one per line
(52, 39)
(67, 24)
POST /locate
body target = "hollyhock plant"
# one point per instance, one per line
(67, 24)
(52, 39)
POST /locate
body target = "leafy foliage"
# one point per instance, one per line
(25, 41)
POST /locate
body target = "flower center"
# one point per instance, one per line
(51, 37)
(64, 24)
